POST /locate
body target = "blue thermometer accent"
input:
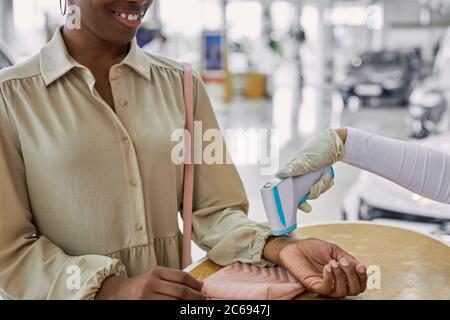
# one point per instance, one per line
(279, 206)
(304, 199)
(284, 231)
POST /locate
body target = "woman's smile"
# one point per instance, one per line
(110, 21)
(131, 19)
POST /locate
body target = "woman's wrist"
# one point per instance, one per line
(273, 247)
(342, 133)
(111, 288)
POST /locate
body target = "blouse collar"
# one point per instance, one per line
(55, 60)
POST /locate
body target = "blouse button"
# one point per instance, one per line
(126, 140)
(123, 103)
(139, 227)
(133, 183)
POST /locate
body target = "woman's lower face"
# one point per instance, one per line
(114, 21)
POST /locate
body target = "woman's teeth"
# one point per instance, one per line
(128, 16)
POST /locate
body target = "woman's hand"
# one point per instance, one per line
(325, 150)
(321, 267)
(159, 283)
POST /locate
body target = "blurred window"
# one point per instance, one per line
(188, 23)
(348, 16)
(33, 14)
(197, 15)
(283, 15)
(244, 20)
(34, 22)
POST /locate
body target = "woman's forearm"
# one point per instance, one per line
(415, 167)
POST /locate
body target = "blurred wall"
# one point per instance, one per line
(408, 24)
(6, 20)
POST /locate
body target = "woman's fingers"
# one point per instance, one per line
(362, 275)
(340, 280)
(180, 291)
(322, 286)
(177, 276)
(343, 279)
(178, 284)
(353, 285)
(359, 268)
(327, 283)
(340, 285)
(340, 254)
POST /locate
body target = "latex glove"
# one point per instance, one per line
(325, 150)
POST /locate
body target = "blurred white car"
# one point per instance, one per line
(428, 103)
(427, 110)
(376, 198)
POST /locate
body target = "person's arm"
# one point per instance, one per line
(32, 267)
(220, 223)
(413, 166)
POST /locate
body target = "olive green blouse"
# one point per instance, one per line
(88, 192)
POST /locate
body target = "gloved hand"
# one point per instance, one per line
(324, 150)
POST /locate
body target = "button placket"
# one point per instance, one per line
(138, 221)
(136, 190)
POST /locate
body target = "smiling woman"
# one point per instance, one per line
(88, 183)
(80, 152)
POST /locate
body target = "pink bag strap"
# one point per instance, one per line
(188, 187)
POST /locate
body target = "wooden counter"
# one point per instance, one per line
(411, 265)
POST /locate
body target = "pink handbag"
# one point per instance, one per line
(237, 281)
(240, 281)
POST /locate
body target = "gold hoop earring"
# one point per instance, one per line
(63, 11)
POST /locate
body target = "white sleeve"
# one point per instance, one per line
(415, 167)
